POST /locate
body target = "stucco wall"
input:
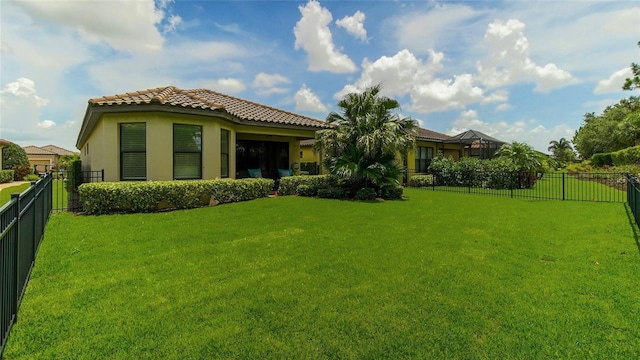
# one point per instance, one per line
(104, 145)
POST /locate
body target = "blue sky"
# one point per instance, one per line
(519, 71)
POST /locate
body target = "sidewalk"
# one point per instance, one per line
(13, 183)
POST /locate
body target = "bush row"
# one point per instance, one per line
(498, 173)
(420, 181)
(341, 190)
(628, 156)
(149, 196)
(289, 184)
(6, 176)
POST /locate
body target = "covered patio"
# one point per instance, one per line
(474, 143)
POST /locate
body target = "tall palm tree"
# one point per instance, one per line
(561, 150)
(362, 145)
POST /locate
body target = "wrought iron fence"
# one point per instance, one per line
(65, 199)
(22, 223)
(602, 187)
(633, 197)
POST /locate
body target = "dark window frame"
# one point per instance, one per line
(224, 156)
(123, 153)
(183, 151)
(422, 163)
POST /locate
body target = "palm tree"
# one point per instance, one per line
(522, 155)
(367, 135)
(561, 150)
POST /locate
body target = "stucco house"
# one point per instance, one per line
(168, 133)
(44, 158)
(3, 143)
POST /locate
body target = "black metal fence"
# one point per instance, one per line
(22, 223)
(633, 197)
(65, 199)
(602, 187)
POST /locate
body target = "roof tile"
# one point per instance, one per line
(208, 100)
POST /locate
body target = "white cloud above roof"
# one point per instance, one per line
(354, 25)
(267, 84)
(125, 25)
(314, 36)
(306, 100)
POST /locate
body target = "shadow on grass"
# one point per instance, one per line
(633, 224)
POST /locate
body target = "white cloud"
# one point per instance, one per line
(509, 60)
(125, 25)
(614, 82)
(354, 25)
(530, 132)
(503, 107)
(314, 36)
(227, 85)
(172, 23)
(404, 74)
(46, 124)
(267, 84)
(21, 109)
(306, 100)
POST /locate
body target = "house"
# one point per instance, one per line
(3, 143)
(168, 133)
(44, 158)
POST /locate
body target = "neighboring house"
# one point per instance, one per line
(3, 143)
(168, 133)
(44, 158)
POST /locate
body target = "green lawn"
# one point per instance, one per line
(5, 194)
(553, 186)
(441, 275)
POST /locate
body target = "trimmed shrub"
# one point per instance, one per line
(306, 190)
(391, 192)
(133, 197)
(626, 156)
(333, 192)
(74, 175)
(420, 181)
(6, 176)
(20, 171)
(289, 184)
(31, 177)
(366, 193)
(601, 160)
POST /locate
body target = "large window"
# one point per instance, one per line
(187, 151)
(133, 151)
(224, 153)
(423, 158)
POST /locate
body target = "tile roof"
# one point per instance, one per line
(424, 134)
(58, 150)
(4, 141)
(35, 150)
(307, 143)
(204, 99)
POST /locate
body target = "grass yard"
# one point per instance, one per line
(442, 275)
(5, 194)
(552, 186)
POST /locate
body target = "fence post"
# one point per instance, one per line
(102, 175)
(563, 186)
(16, 266)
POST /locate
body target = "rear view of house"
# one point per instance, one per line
(168, 133)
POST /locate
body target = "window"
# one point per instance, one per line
(224, 153)
(133, 151)
(423, 158)
(187, 151)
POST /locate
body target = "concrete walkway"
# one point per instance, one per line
(13, 183)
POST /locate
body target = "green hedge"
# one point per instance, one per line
(626, 156)
(601, 160)
(420, 181)
(6, 176)
(149, 196)
(289, 184)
